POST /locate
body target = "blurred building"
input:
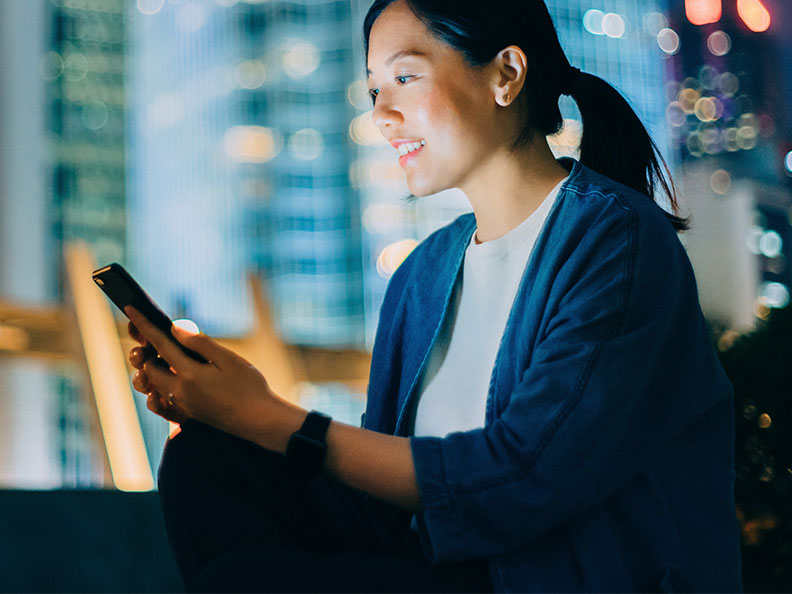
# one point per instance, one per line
(239, 162)
(26, 271)
(729, 107)
(65, 83)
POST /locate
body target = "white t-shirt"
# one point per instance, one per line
(452, 393)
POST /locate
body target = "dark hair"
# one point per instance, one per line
(615, 143)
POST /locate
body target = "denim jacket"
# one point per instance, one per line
(606, 458)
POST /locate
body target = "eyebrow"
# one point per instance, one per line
(401, 54)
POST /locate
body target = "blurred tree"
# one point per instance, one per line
(759, 365)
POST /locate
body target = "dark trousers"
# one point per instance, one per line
(238, 519)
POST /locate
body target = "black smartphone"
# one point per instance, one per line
(123, 290)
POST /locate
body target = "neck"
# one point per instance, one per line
(507, 188)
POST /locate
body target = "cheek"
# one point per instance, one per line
(454, 114)
(440, 120)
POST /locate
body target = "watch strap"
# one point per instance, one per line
(307, 448)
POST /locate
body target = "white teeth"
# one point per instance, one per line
(409, 147)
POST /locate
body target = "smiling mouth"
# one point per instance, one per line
(409, 147)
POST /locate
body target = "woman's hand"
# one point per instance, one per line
(224, 393)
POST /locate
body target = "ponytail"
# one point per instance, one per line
(616, 144)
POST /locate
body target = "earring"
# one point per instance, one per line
(505, 99)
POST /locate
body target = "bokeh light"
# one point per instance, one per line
(51, 66)
(788, 163)
(393, 255)
(306, 144)
(729, 136)
(358, 95)
(703, 12)
(754, 15)
(250, 74)
(363, 131)
(75, 67)
(708, 77)
(301, 59)
(675, 115)
(719, 43)
(592, 21)
(775, 295)
(729, 84)
(668, 41)
(770, 244)
(150, 6)
(755, 233)
(613, 25)
(721, 182)
(705, 109)
(654, 22)
(688, 99)
(250, 144)
(95, 115)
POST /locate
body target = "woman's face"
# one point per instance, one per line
(427, 98)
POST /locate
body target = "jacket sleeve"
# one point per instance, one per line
(623, 364)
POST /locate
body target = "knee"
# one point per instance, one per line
(188, 455)
(200, 454)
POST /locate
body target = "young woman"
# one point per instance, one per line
(545, 410)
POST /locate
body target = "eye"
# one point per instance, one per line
(373, 94)
(403, 79)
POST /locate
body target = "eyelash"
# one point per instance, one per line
(374, 92)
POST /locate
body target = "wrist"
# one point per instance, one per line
(282, 419)
(270, 423)
(307, 447)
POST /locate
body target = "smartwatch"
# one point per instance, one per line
(307, 447)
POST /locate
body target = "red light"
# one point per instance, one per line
(703, 12)
(754, 15)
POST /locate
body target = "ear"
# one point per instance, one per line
(510, 67)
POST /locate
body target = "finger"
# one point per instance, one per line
(139, 355)
(156, 404)
(205, 346)
(136, 335)
(166, 347)
(160, 377)
(140, 382)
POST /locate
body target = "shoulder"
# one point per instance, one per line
(597, 207)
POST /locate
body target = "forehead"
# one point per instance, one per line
(398, 32)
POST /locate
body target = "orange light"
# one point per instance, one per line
(754, 15)
(703, 12)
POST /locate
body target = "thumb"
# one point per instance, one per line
(201, 344)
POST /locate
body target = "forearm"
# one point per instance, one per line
(375, 463)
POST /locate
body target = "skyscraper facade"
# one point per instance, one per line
(240, 162)
(64, 150)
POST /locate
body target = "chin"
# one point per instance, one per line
(422, 188)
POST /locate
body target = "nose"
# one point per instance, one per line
(385, 115)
